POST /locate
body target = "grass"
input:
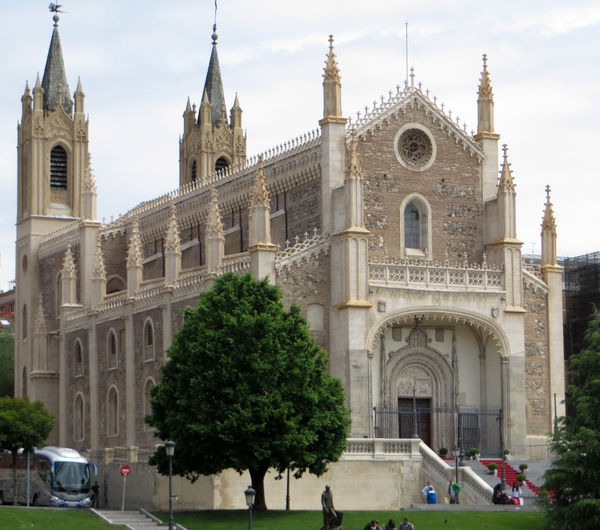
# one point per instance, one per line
(305, 520)
(15, 518)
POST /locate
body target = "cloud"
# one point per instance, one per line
(560, 21)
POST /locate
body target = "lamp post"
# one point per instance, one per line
(456, 454)
(415, 416)
(250, 493)
(170, 448)
(287, 493)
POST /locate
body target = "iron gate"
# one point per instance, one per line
(475, 427)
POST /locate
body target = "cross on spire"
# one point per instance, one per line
(330, 42)
(412, 77)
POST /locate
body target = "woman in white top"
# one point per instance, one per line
(516, 492)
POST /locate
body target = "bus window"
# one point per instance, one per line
(71, 477)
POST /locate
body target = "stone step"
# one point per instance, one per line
(133, 519)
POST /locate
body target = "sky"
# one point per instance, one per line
(139, 61)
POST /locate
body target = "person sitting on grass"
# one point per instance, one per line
(378, 526)
(405, 525)
(391, 525)
(371, 526)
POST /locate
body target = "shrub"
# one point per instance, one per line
(521, 478)
(507, 451)
(523, 467)
(492, 466)
(443, 451)
(472, 452)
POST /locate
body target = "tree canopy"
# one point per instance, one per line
(575, 476)
(246, 388)
(23, 425)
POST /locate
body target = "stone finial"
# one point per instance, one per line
(332, 72)
(89, 181)
(353, 167)
(214, 226)
(172, 243)
(260, 195)
(68, 263)
(485, 84)
(548, 223)
(506, 180)
(40, 320)
(98, 269)
(135, 256)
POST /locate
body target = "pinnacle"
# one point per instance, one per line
(548, 223)
(506, 179)
(332, 72)
(485, 85)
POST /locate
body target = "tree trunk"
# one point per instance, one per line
(14, 462)
(258, 483)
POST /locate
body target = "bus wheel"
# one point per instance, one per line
(35, 500)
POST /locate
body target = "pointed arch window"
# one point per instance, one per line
(113, 411)
(58, 168)
(193, 173)
(112, 350)
(78, 359)
(79, 419)
(415, 226)
(24, 321)
(24, 381)
(412, 227)
(149, 341)
(58, 293)
(147, 398)
(221, 164)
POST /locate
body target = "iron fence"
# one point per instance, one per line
(473, 427)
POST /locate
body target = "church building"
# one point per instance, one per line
(394, 232)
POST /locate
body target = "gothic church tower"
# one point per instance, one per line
(212, 142)
(52, 162)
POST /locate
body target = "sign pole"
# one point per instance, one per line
(124, 482)
(125, 470)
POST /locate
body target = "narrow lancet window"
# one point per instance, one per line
(58, 168)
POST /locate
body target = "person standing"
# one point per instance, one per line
(426, 489)
(96, 495)
(453, 491)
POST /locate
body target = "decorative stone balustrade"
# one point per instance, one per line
(302, 249)
(382, 449)
(433, 275)
(238, 263)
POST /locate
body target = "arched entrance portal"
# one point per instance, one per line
(441, 376)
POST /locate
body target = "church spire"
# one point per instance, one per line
(213, 86)
(507, 200)
(55, 76)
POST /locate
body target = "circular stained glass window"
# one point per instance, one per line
(414, 147)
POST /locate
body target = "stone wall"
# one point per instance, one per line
(114, 252)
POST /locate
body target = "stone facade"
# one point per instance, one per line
(393, 234)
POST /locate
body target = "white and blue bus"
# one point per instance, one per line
(57, 477)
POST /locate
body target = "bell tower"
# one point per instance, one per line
(52, 160)
(212, 142)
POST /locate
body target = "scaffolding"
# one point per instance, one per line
(581, 290)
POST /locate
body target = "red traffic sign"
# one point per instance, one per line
(125, 470)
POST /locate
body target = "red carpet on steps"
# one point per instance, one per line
(510, 474)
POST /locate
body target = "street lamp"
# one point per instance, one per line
(456, 454)
(250, 493)
(170, 448)
(415, 416)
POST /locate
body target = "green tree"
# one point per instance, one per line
(247, 388)
(575, 474)
(23, 425)
(7, 361)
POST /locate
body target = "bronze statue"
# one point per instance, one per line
(332, 519)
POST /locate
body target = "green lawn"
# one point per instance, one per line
(50, 519)
(304, 520)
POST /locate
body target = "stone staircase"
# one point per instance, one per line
(131, 519)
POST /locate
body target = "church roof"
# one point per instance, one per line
(55, 76)
(213, 86)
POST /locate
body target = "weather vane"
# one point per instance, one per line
(55, 8)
